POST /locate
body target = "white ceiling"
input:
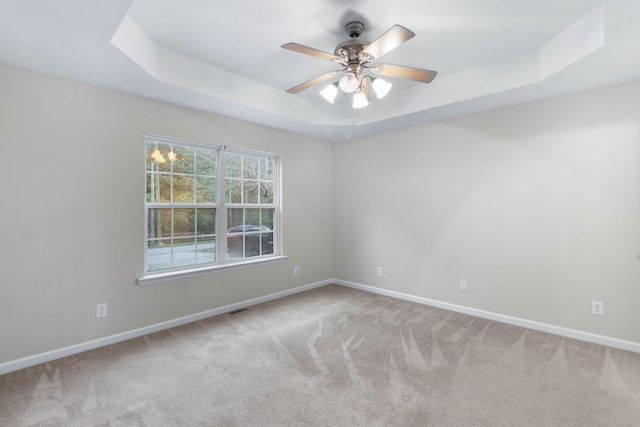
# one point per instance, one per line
(225, 57)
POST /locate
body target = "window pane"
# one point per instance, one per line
(151, 164)
(159, 223)
(235, 218)
(182, 189)
(184, 252)
(159, 254)
(234, 191)
(183, 162)
(266, 173)
(206, 250)
(234, 165)
(267, 218)
(267, 243)
(235, 242)
(253, 216)
(251, 167)
(250, 192)
(205, 190)
(235, 233)
(158, 157)
(153, 188)
(184, 222)
(206, 221)
(266, 192)
(163, 190)
(205, 162)
(252, 244)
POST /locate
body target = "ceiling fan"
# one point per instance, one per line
(357, 57)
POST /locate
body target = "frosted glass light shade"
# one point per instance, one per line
(380, 87)
(329, 93)
(348, 83)
(360, 99)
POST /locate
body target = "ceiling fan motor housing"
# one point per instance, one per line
(354, 29)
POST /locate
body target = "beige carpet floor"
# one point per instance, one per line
(333, 356)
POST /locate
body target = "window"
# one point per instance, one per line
(249, 197)
(208, 206)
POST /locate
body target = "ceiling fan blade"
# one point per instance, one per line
(315, 81)
(310, 51)
(417, 74)
(390, 40)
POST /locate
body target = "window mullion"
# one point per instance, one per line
(277, 206)
(172, 212)
(221, 217)
(194, 190)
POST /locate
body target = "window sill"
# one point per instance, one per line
(181, 274)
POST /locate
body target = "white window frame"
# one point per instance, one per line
(222, 261)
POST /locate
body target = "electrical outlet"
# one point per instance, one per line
(462, 285)
(296, 270)
(101, 310)
(597, 308)
(378, 271)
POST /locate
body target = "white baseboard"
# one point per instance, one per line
(530, 324)
(48, 356)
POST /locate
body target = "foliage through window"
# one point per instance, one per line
(208, 205)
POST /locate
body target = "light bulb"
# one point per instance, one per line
(348, 83)
(329, 93)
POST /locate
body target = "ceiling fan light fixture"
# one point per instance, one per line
(357, 57)
(359, 100)
(348, 83)
(361, 97)
(329, 93)
(380, 87)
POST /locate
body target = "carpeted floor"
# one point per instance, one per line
(333, 356)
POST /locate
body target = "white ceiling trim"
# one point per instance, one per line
(569, 46)
(189, 73)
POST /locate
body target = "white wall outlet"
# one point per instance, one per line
(378, 271)
(101, 310)
(296, 270)
(462, 285)
(597, 308)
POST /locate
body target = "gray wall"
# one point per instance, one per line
(72, 213)
(536, 207)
